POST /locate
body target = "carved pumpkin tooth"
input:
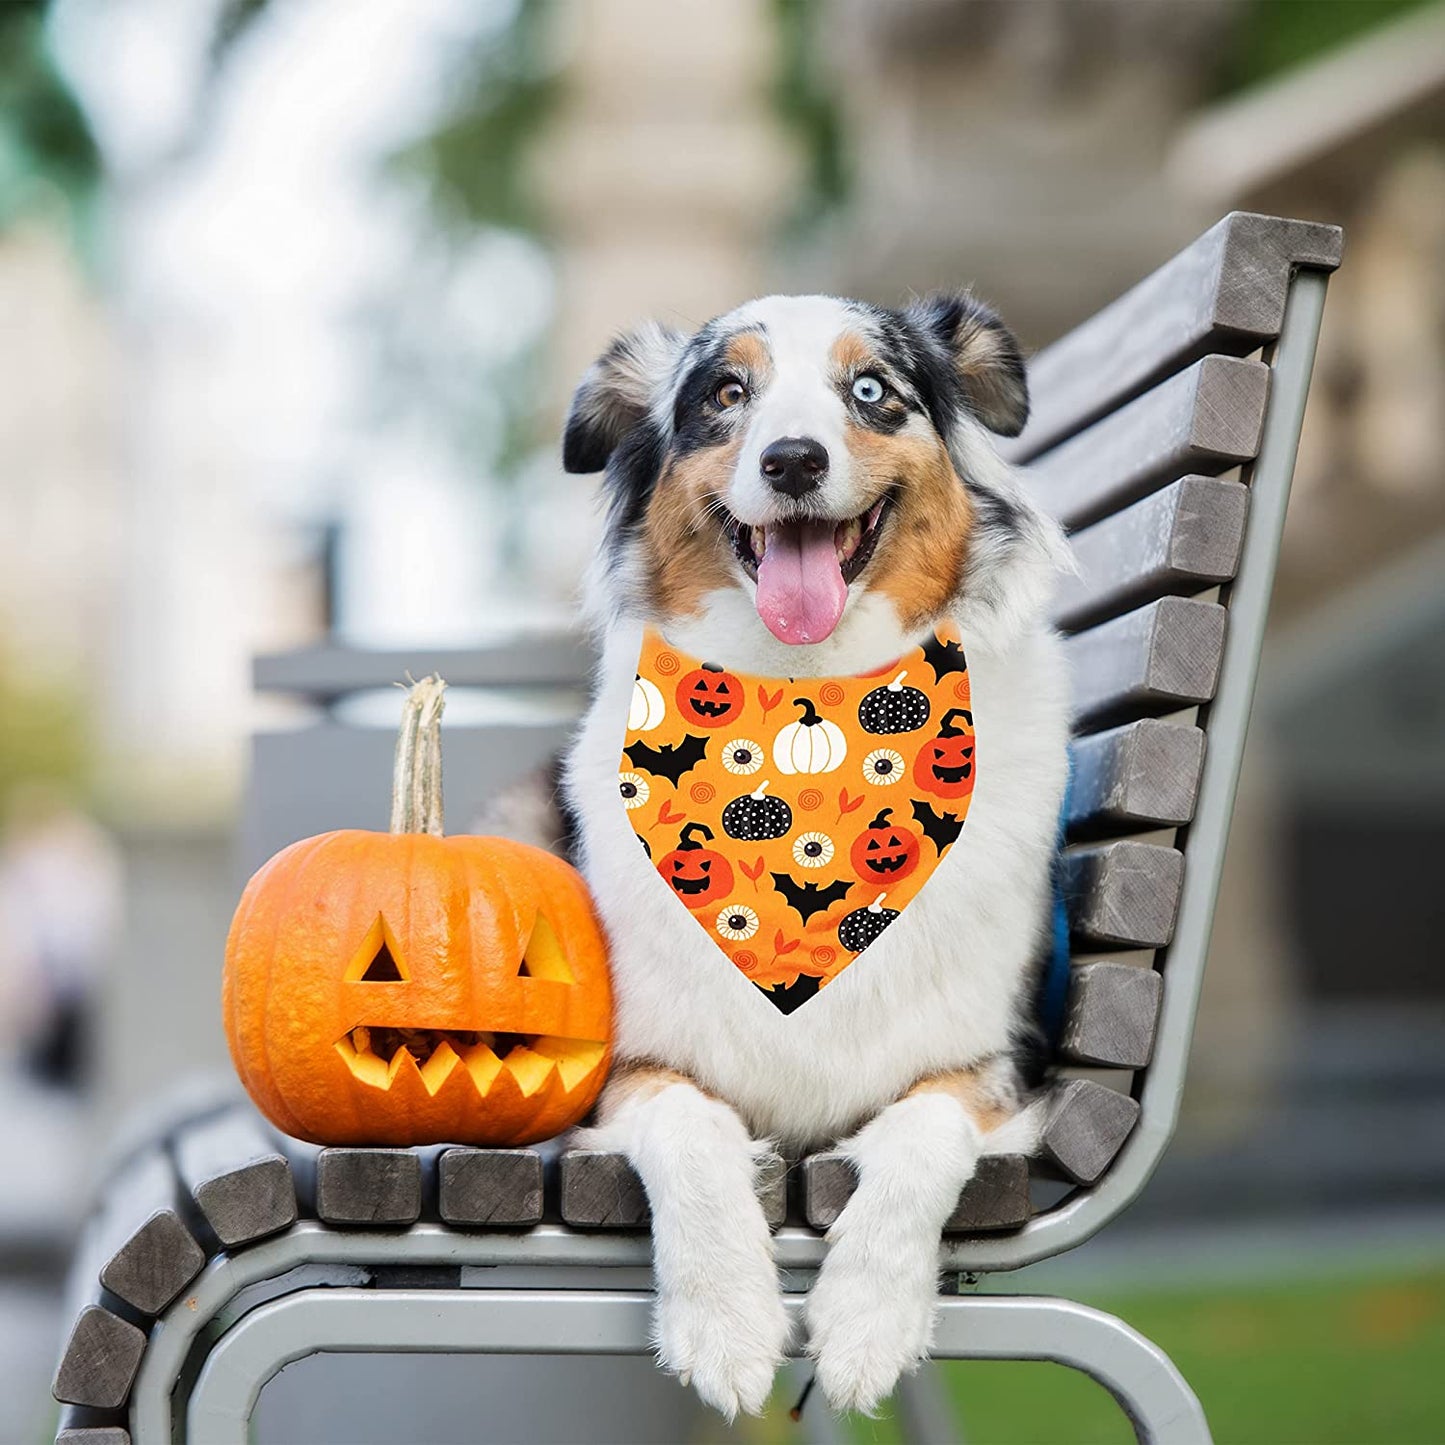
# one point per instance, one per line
(483, 1065)
(575, 1058)
(361, 1039)
(437, 1069)
(401, 1060)
(528, 1069)
(366, 1067)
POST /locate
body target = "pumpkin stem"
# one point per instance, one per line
(686, 841)
(948, 729)
(811, 716)
(416, 778)
(881, 821)
(877, 904)
(761, 788)
(897, 684)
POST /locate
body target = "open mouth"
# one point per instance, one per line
(885, 865)
(803, 568)
(379, 1055)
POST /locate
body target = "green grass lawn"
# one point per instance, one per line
(1340, 1362)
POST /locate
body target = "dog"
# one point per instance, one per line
(852, 445)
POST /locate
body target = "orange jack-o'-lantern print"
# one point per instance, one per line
(783, 812)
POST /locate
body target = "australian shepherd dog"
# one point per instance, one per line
(806, 488)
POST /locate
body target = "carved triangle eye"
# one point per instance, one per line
(544, 957)
(376, 961)
(383, 968)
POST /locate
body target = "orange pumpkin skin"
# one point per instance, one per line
(458, 915)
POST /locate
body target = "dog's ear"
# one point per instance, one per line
(616, 393)
(985, 355)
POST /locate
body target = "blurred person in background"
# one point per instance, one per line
(60, 891)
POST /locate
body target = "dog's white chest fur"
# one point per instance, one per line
(940, 990)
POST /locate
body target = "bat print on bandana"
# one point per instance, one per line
(752, 806)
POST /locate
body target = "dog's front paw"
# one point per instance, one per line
(870, 1314)
(727, 1340)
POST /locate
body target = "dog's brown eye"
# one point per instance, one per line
(730, 394)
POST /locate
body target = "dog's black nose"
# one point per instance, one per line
(794, 465)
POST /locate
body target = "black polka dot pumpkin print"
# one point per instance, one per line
(755, 816)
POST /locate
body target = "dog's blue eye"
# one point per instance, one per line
(868, 388)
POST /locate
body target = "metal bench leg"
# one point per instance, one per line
(1163, 1409)
(1138, 1374)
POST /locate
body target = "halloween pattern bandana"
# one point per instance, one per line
(796, 819)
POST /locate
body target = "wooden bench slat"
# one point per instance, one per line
(1123, 894)
(1163, 657)
(1182, 539)
(1111, 1016)
(99, 1363)
(240, 1182)
(149, 1255)
(996, 1198)
(490, 1187)
(93, 1435)
(1085, 1126)
(375, 1187)
(1204, 420)
(1224, 293)
(1142, 775)
(601, 1190)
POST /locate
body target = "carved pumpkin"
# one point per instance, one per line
(406, 988)
(709, 697)
(884, 851)
(893, 709)
(647, 709)
(755, 817)
(810, 745)
(944, 767)
(697, 875)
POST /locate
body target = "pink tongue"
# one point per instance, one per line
(801, 590)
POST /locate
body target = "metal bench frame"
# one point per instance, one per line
(560, 1289)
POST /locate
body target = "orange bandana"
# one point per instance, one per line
(783, 813)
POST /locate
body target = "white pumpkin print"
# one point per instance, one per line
(647, 708)
(810, 745)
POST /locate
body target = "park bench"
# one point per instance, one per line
(1163, 437)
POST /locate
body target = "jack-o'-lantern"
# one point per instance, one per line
(884, 851)
(709, 696)
(944, 766)
(407, 988)
(698, 875)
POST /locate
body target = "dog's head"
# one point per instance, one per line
(818, 459)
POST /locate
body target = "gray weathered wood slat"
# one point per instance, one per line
(1182, 539)
(99, 1363)
(1223, 293)
(600, 1190)
(1144, 774)
(1111, 1015)
(240, 1182)
(85, 1425)
(1204, 420)
(490, 1187)
(1160, 658)
(375, 1187)
(1122, 894)
(148, 1254)
(1085, 1126)
(324, 673)
(996, 1198)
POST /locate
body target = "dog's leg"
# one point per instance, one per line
(720, 1320)
(870, 1314)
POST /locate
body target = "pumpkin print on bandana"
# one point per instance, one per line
(795, 819)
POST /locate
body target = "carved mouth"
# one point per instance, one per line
(885, 865)
(854, 539)
(708, 709)
(377, 1055)
(952, 775)
(691, 885)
